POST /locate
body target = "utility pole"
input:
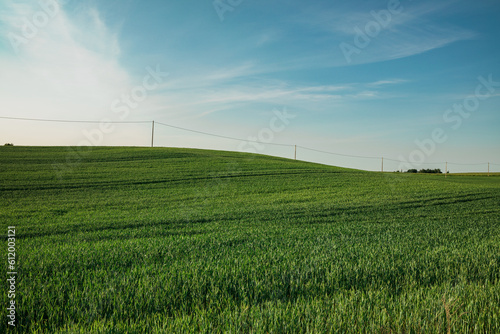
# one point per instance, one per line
(382, 164)
(488, 169)
(153, 135)
(295, 154)
(446, 170)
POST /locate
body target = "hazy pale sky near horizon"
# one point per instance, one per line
(406, 80)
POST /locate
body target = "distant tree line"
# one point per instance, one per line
(426, 171)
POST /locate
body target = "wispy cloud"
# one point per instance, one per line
(417, 40)
(267, 37)
(408, 15)
(221, 96)
(411, 32)
(386, 82)
(64, 69)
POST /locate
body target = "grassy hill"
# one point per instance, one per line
(136, 240)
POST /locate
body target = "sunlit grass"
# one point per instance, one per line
(175, 240)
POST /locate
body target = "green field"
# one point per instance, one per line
(138, 240)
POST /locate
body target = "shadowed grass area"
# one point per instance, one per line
(136, 240)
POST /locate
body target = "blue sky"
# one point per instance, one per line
(365, 78)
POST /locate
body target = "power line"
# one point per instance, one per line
(393, 160)
(136, 122)
(420, 163)
(71, 121)
(454, 163)
(225, 137)
(233, 138)
(339, 154)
